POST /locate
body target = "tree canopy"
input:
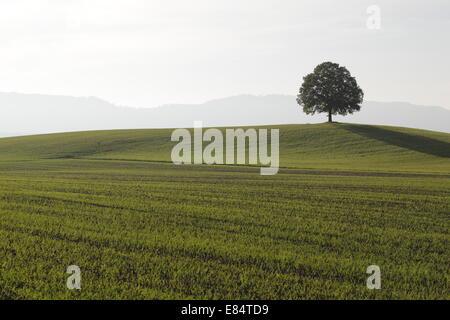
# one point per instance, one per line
(331, 89)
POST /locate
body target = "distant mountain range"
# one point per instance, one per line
(22, 114)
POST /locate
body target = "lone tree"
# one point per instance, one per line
(331, 89)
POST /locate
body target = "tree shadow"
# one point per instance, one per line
(412, 142)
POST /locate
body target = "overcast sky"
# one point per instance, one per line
(146, 52)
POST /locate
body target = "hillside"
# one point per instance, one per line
(317, 146)
(139, 227)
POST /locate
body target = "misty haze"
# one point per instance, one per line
(22, 114)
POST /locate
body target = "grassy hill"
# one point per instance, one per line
(317, 146)
(139, 227)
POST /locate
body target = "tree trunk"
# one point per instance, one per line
(329, 116)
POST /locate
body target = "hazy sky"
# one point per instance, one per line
(148, 52)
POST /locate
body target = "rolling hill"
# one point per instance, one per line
(139, 227)
(317, 146)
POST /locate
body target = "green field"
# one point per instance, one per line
(346, 197)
